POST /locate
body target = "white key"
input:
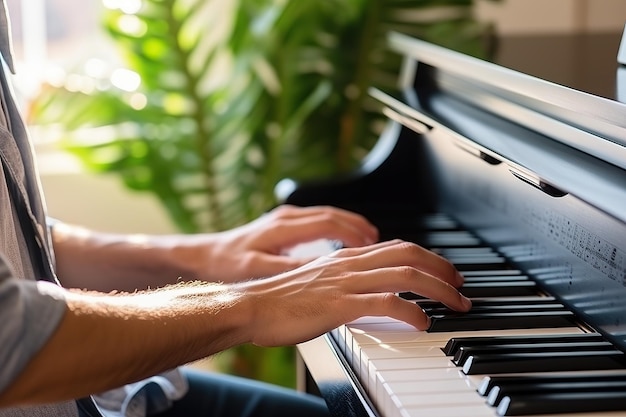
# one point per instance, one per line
(438, 405)
(387, 354)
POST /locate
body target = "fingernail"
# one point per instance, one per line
(467, 303)
(428, 322)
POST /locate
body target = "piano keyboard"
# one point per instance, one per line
(517, 352)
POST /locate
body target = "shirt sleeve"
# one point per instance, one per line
(30, 312)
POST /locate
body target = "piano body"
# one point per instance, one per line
(522, 184)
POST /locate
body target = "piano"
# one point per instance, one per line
(521, 183)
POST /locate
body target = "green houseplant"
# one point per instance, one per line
(229, 97)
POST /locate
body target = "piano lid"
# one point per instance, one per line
(558, 139)
(589, 123)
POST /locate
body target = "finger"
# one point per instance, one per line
(293, 231)
(390, 305)
(348, 252)
(328, 222)
(288, 211)
(397, 253)
(362, 250)
(407, 279)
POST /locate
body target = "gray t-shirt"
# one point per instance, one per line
(30, 310)
(31, 302)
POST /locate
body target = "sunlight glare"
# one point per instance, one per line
(125, 79)
(138, 101)
(126, 6)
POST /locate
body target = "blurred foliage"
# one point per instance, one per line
(218, 100)
(233, 96)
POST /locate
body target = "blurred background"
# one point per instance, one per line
(162, 116)
(57, 37)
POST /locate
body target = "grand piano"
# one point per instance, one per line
(521, 183)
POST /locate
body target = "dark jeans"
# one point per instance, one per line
(217, 395)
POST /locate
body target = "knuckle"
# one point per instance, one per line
(327, 220)
(410, 247)
(406, 272)
(281, 212)
(248, 261)
(389, 301)
(345, 252)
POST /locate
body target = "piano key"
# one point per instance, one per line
(488, 364)
(466, 251)
(463, 255)
(437, 221)
(496, 301)
(497, 278)
(396, 222)
(491, 308)
(399, 384)
(553, 403)
(455, 343)
(485, 273)
(381, 335)
(377, 330)
(490, 382)
(448, 411)
(500, 391)
(369, 333)
(466, 351)
(445, 239)
(374, 352)
(499, 289)
(438, 399)
(435, 391)
(449, 377)
(493, 321)
(477, 263)
(484, 288)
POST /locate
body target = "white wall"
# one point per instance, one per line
(97, 201)
(514, 17)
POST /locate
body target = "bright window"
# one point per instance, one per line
(51, 37)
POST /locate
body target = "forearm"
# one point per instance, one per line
(106, 262)
(107, 341)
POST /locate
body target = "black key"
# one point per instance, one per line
(461, 252)
(482, 305)
(438, 221)
(497, 278)
(553, 403)
(449, 239)
(502, 289)
(500, 391)
(466, 351)
(544, 362)
(499, 289)
(500, 321)
(464, 264)
(490, 382)
(533, 299)
(457, 342)
(493, 272)
(497, 308)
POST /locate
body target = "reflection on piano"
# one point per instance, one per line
(521, 183)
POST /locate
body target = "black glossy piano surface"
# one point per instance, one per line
(521, 184)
